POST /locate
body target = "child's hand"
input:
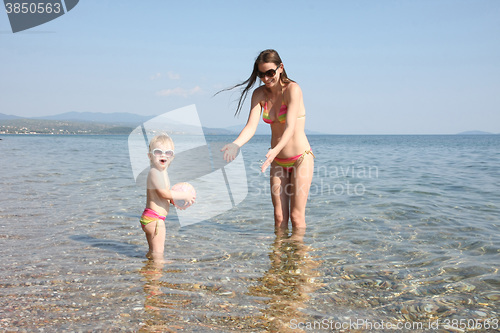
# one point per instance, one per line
(230, 151)
(185, 199)
(188, 198)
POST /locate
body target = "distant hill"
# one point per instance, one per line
(101, 123)
(8, 117)
(99, 117)
(262, 129)
(475, 133)
(45, 126)
(17, 125)
(217, 131)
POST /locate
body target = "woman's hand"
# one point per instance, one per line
(271, 154)
(230, 151)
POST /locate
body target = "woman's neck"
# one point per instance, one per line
(277, 90)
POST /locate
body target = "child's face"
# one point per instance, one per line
(161, 155)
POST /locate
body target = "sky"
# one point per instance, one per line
(365, 67)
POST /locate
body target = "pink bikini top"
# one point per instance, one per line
(281, 114)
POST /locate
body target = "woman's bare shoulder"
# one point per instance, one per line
(259, 95)
(293, 87)
(260, 92)
(293, 90)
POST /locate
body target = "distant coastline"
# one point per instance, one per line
(57, 127)
(93, 123)
(25, 126)
(89, 123)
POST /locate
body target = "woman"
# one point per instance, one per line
(281, 104)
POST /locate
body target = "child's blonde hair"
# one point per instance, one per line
(161, 139)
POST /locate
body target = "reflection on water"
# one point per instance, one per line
(158, 301)
(282, 291)
(288, 282)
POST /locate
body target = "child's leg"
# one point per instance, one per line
(156, 242)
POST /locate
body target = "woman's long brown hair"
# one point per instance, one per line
(266, 56)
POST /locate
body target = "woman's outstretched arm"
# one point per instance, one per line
(231, 150)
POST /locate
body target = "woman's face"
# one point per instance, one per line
(269, 73)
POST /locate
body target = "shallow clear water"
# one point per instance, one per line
(401, 230)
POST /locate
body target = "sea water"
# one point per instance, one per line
(402, 233)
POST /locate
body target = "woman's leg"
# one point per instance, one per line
(280, 190)
(301, 183)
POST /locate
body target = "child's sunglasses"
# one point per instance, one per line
(159, 152)
(269, 73)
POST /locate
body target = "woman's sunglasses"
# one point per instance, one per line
(269, 73)
(159, 152)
